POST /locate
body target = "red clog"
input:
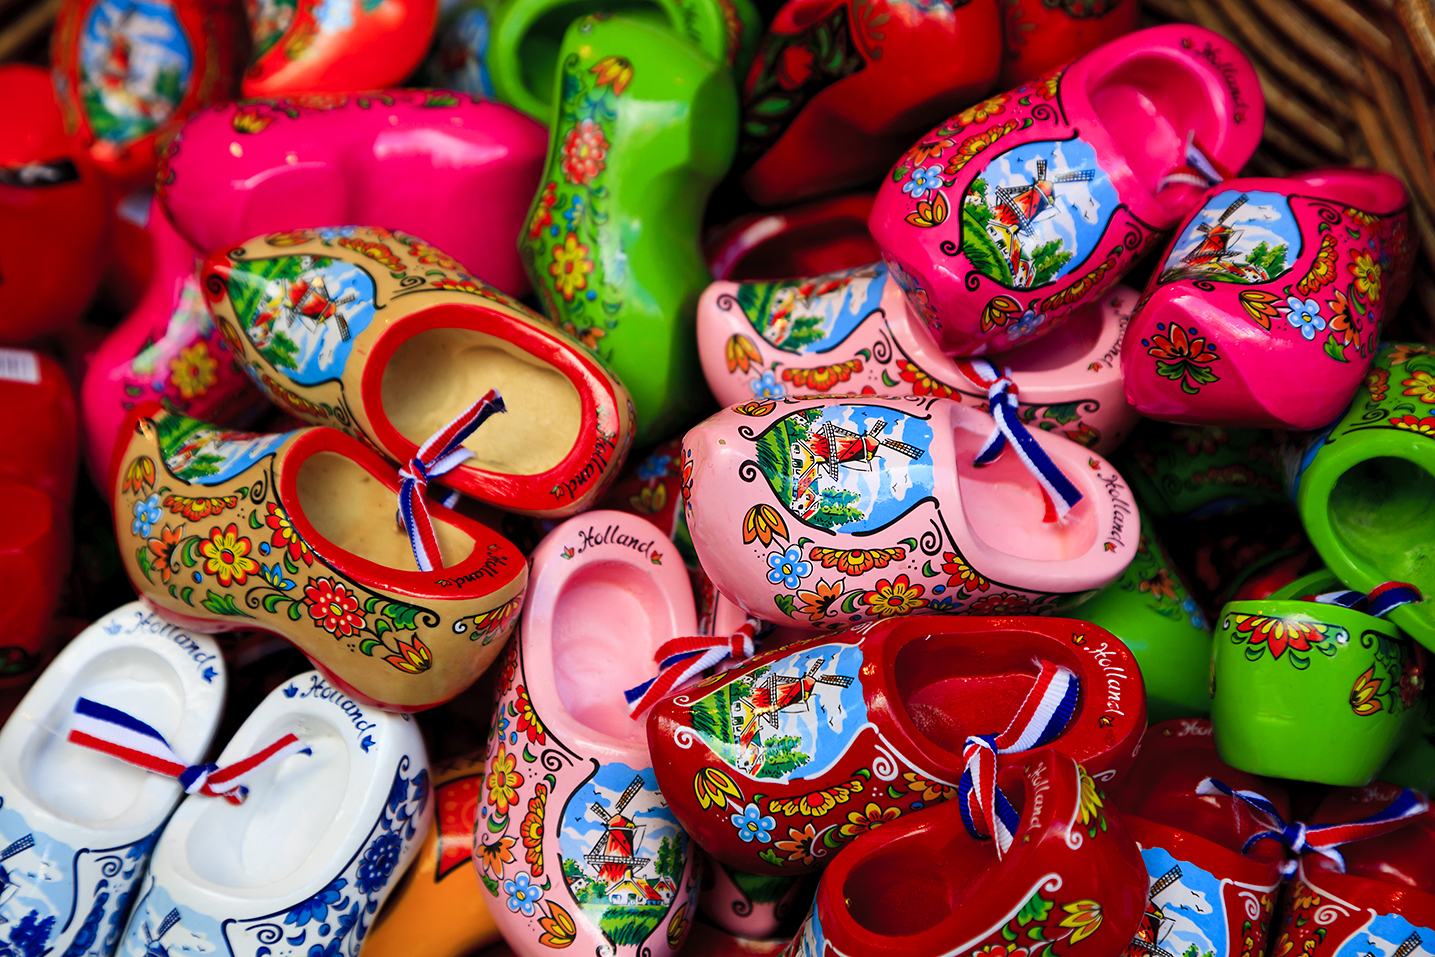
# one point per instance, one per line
(332, 46)
(55, 211)
(923, 887)
(1042, 36)
(774, 765)
(840, 87)
(808, 240)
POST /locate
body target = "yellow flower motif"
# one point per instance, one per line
(412, 658)
(678, 927)
(930, 790)
(1422, 386)
(1367, 276)
(860, 822)
(570, 266)
(1091, 802)
(503, 781)
(1425, 426)
(896, 597)
(558, 928)
(615, 71)
(194, 370)
(139, 476)
(982, 111)
(1084, 916)
(763, 524)
(1363, 696)
(962, 574)
(713, 788)
(226, 556)
(741, 354)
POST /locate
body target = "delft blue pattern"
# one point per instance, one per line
(331, 923)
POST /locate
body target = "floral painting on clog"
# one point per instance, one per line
(196, 453)
(135, 65)
(1242, 237)
(1190, 911)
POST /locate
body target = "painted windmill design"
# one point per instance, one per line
(774, 696)
(1407, 947)
(612, 857)
(830, 450)
(1017, 208)
(1214, 248)
(154, 946)
(1156, 926)
(8, 884)
(306, 299)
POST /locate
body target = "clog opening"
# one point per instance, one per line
(1005, 510)
(918, 881)
(952, 688)
(86, 786)
(607, 622)
(810, 250)
(1069, 342)
(292, 806)
(438, 373)
(353, 510)
(1382, 513)
(538, 48)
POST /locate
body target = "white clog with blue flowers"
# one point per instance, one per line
(302, 866)
(77, 826)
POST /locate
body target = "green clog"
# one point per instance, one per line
(1194, 471)
(1310, 691)
(1151, 610)
(1365, 489)
(645, 127)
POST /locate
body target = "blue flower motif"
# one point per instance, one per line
(767, 387)
(571, 214)
(378, 864)
(752, 825)
(1030, 321)
(399, 793)
(331, 233)
(317, 907)
(1304, 316)
(788, 568)
(274, 575)
(654, 467)
(923, 181)
(1194, 612)
(147, 513)
(944, 605)
(522, 893)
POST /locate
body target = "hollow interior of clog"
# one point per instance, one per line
(354, 511)
(437, 374)
(94, 789)
(291, 808)
(1005, 510)
(538, 49)
(1382, 513)
(922, 878)
(1069, 342)
(608, 620)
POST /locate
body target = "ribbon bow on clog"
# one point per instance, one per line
(1041, 718)
(120, 735)
(1378, 601)
(1059, 493)
(1322, 839)
(684, 658)
(443, 451)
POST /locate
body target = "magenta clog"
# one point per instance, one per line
(753, 338)
(454, 170)
(822, 513)
(1267, 308)
(574, 843)
(1011, 214)
(167, 349)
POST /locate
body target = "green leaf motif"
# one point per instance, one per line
(784, 604)
(221, 604)
(368, 645)
(1035, 909)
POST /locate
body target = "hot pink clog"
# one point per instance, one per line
(1267, 308)
(574, 842)
(167, 349)
(822, 513)
(761, 339)
(1005, 218)
(454, 170)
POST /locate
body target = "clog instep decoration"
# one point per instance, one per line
(295, 533)
(838, 89)
(760, 340)
(644, 128)
(127, 73)
(314, 849)
(73, 856)
(335, 46)
(574, 842)
(379, 334)
(824, 513)
(764, 775)
(1004, 219)
(1267, 308)
(922, 886)
(419, 161)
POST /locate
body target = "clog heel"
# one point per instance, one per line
(77, 826)
(574, 842)
(312, 851)
(296, 533)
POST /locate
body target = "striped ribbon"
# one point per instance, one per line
(1378, 601)
(1060, 495)
(1322, 839)
(682, 659)
(121, 735)
(1198, 170)
(442, 452)
(1042, 717)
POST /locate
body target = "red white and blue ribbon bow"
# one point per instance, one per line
(120, 735)
(1320, 839)
(1042, 717)
(1378, 601)
(443, 451)
(682, 659)
(1059, 493)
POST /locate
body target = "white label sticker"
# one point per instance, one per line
(19, 365)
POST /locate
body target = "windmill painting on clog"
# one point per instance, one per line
(823, 513)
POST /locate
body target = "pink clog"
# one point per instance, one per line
(751, 906)
(1267, 308)
(574, 842)
(822, 513)
(454, 170)
(1007, 217)
(753, 339)
(167, 349)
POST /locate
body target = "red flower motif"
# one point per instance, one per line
(585, 149)
(333, 607)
